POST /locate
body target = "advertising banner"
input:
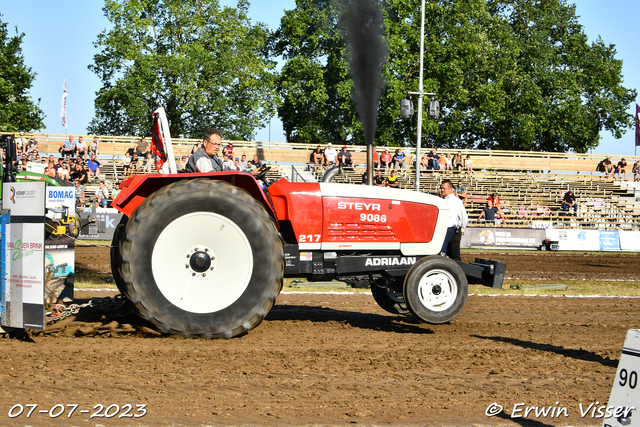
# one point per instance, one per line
(609, 240)
(586, 240)
(59, 244)
(110, 217)
(630, 241)
(503, 237)
(22, 285)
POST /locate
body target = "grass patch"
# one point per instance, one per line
(92, 280)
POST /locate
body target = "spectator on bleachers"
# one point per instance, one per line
(126, 164)
(81, 148)
(68, 147)
(63, 172)
(32, 145)
(115, 190)
(134, 162)
(148, 163)
(50, 170)
(468, 164)
(256, 162)
(434, 159)
(605, 166)
(79, 190)
(102, 195)
(317, 156)
(495, 199)
(331, 155)
(227, 163)
(379, 180)
(376, 159)
(461, 192)
(392, 180)
(569, 202)
(243, 162)
(94, 167)
(58, 165)
(385, 159)
(236, 165)
(228, 150)
(622, 168)
(21, 142)
(424, 164)
(636, 171)
(442, 163)
(399, 158)
(83, 173)
(93, 147)
(196, 147)
(344, 157)
(364, 177)
(491, 213)
(142, 147)
(449, 161)
(23, 165)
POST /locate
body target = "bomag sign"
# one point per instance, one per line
(60, 194)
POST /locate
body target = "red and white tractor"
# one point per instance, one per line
(206, 254)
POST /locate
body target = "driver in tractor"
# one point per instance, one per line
(206, 158)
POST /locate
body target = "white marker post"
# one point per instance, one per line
(625, 393)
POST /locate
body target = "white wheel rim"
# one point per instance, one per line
(220, 285)
(437, 290)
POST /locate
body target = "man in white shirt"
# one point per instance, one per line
(458, 220)
(330, 154)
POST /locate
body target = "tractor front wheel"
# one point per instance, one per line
(202, 257)
(435, 289)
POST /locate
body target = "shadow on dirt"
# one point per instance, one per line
(371, 321)
(523, 421)
(567, 352)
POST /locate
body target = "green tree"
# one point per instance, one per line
(18, 111)
(513, 74)
(206, 65)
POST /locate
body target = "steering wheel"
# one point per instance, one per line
(262, 176)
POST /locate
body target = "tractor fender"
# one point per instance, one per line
(137, 188)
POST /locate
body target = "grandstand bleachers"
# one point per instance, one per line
(531, 185)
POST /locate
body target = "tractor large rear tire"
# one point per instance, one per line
(202, 257)
(435, 289)
(116, 258)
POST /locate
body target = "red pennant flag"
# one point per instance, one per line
(157, 144)
(637, 125)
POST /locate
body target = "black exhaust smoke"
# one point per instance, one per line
(367, 53)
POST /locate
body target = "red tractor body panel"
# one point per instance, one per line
(327, 216)
(136, 189)
(354, 217)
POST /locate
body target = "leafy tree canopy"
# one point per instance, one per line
(206, 65)
(18, 112)
(509, 74)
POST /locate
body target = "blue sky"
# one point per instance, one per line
(59, 36)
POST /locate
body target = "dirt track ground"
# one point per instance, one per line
(336, 359)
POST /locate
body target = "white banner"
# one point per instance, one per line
(63, 111)
(630, 240)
